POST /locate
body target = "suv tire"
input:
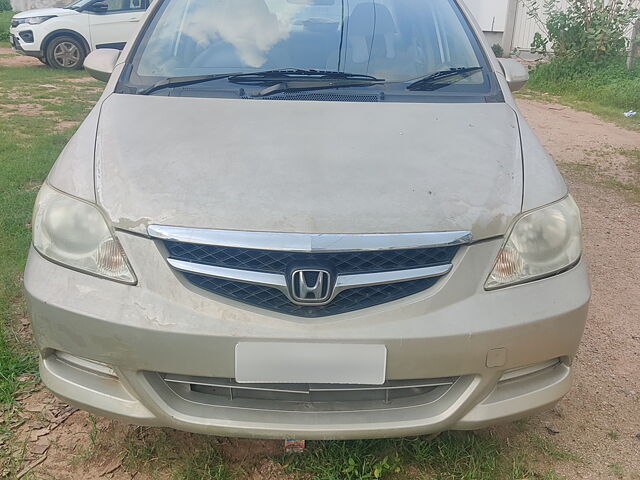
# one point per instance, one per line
(66, 53)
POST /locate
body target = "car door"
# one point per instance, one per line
(113, 22)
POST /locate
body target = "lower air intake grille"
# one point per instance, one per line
(310, 397)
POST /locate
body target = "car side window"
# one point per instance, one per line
(124, 5)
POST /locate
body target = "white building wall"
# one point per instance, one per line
(526, 27)
(22, 5)
(491, 14)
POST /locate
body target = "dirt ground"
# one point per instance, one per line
(598, 422)
(9, 59)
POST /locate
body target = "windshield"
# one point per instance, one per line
(78, 4)
(399, 41)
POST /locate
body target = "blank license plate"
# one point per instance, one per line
(356, 364)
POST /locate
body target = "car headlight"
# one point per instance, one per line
(541, 243)
(31, 20)
(75, 233)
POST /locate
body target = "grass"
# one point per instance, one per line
(593, 174)
(5, 22)
(451, 456)
(29, 144)
(616, 470)
(551, 449)
(606, 90)
(163, 453)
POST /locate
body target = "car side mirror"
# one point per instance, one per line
(98, 7)
(514, 72)
(101, 63)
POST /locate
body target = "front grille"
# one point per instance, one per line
(271, 261)
(273, 299)
(340, 263)
(356, 271)
(308, 397)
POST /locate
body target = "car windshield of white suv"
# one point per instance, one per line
(425, 45)
(78, 4)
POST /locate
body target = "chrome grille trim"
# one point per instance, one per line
(247, 276)
(307, 243)
(343, 282)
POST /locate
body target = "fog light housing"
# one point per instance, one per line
(91, 366)
(27, 36)
(528, 370)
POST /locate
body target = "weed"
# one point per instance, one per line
(348, 460)
(613, 435)
(616, 469)
(551, 476)
(460, 456)
(206, 464)
(93, 431)
(553, 450)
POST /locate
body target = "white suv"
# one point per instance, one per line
(63, 37)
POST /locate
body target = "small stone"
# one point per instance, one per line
(41, 446)
(36, 434)
(552, 429)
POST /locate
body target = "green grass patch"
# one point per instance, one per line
(587, 173)
(5, 23)
(205, 464)
(30, 142)
(607, 90)
(451, 456)
(616, 469)
(155, 451)
(553, 450)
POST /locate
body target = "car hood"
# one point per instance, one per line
(45, 12)
(308, 167)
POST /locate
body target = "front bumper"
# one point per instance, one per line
(31, 49)
(455, 329)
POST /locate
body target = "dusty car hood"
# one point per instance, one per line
(45, 12)
(309, 167)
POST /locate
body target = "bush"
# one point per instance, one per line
(498, 50)
(593, 30)
(5, 5)
(609, 83)
(5, 21)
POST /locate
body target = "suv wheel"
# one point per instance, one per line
(65, 53)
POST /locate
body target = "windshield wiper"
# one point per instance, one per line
(278, 81)
(266, 77)
(443, 78)
(172, 82)
(278, 76)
